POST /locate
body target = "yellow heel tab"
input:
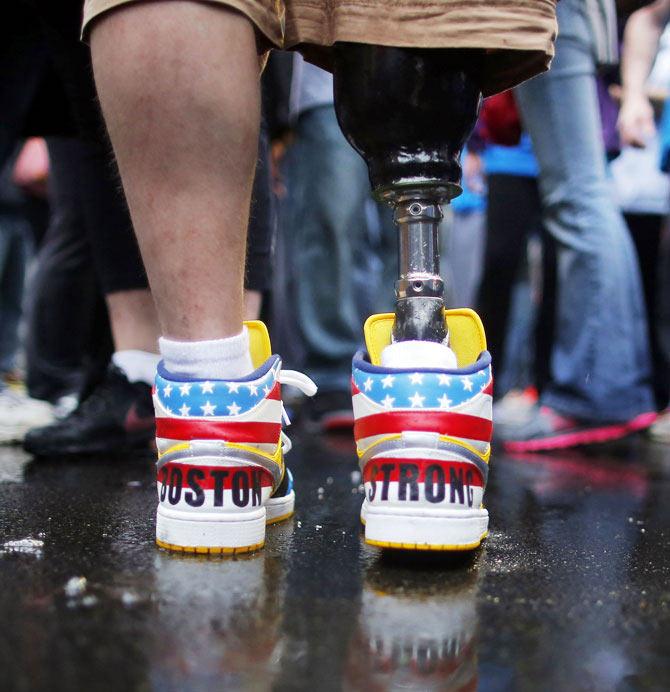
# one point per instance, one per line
(466, 335)
(259, 342)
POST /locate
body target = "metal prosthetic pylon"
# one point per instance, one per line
(419, 289)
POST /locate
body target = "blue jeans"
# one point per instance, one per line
(328, 276)
(600, 364)
(15, 244)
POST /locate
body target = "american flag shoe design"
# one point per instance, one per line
(421, 639)
(423, 438)
(220, 473)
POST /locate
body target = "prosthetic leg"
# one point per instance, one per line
(422, 431)
(408, 112)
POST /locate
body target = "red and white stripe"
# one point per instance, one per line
(469, 422)
(259, 427)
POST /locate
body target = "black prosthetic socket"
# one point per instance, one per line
(408, 112)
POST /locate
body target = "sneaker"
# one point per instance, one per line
(546, 430)
(424, 439)
(660, 430)
(415, 634)
(19, 413)
(13, 379)
(220, 473)
(116, 416)
(516, 408)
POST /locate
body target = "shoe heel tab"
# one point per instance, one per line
(259, 342)
(466, 335)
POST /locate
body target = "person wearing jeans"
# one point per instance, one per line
(637, 127)
(325, 254)
(600, 368)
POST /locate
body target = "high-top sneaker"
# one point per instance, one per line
(220, 473)
(415, 634)
(423, 439)
(115, 416)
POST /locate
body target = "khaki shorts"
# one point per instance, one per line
(518, 35)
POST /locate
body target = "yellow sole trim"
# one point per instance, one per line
(424, 546)
(204, 550)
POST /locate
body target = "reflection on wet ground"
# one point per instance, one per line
(571, 591)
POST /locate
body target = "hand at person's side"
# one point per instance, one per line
(278, 148)
(31, 169)
(636, 121)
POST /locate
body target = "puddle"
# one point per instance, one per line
(25, 546)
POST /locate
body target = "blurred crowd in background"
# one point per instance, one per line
(560, 241)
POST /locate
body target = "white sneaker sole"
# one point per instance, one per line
(424, 529)
(14, 434)
(220, 533)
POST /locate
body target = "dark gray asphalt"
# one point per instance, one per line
(571, 591)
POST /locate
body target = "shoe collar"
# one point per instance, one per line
(362, 362)
(272, 362)
(466, 335)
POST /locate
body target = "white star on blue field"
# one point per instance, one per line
(213, 398)
(421, 389)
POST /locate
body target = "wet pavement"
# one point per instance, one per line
(570, 592)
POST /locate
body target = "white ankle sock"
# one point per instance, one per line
(217, 359)
(419, 354)
(138, 366)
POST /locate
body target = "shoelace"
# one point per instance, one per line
(306, 385)
(298, 380)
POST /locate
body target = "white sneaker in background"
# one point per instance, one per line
(19, 413)
(660, 430)
(516, 407)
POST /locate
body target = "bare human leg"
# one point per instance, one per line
(253, 301)
(132, 315)
(181, 103)
(182, 111)
(134, 322)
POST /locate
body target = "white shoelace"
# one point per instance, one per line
(306, 385)
(298, 380)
